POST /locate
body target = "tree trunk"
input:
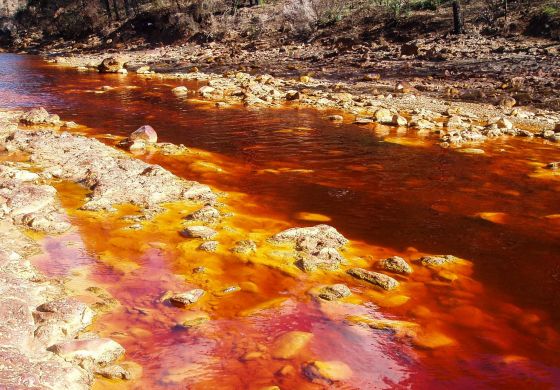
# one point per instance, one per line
(457, 18)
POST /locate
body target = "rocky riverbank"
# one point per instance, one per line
(44, 341)
(454, 115)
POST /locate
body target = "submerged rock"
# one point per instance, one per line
(375, 278)
(290, 344)
(193, 319)
(395, 264)
(327, 371)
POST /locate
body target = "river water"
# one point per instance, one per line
(390, 193)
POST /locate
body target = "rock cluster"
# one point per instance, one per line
(38, 334)
(112, 176)
(25, 201)
(316, 246)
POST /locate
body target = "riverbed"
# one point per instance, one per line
(491, 325)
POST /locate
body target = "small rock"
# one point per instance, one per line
(399, 121)
(438, 260)
(504, 123)
(113, 372)
(375, 278)
(205, 214)
(335, 118)
(208, 246)
(423, 124)
(70, 125)
(508, 102)
(145, 133)
(186, 298)
(292, 95)
(383, 115)
(203, 232)
(334, 292)
(245, 247)
(143, 69)
(395, 264)
(181, 90)
(360, 120)
(110, 65)
(206, 91)
(39, 116)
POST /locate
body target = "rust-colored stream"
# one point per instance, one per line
(488, 323)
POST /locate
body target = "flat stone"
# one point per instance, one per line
(375, 278)
(203, 232)
(438, 260)
(186, 298)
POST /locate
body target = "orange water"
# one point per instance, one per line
(391, 194)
